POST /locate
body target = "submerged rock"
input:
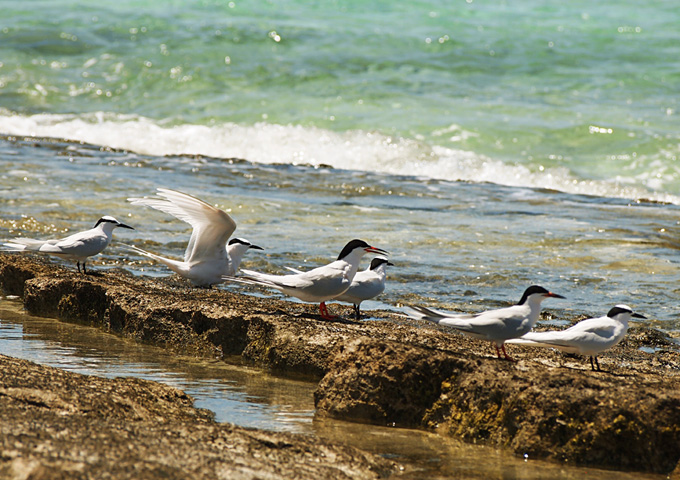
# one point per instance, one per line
(395, 371)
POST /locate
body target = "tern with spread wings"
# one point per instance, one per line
(208, 258)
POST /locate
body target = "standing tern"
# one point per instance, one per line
(236, 249)
(496, 326)
(320, 284)
(588, 337)
(208, 257)
(366, 284)
(77, 247)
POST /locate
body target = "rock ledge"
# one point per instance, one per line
(393, 371)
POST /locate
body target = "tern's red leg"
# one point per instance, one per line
(324, 312)
(505, 354)
(507, 357)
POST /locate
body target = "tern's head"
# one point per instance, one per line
(108, 222)
(623, 312)
(536, 294)
(359, 246)
(242, 244)
(378, 262)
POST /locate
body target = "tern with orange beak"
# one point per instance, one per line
(320, 284)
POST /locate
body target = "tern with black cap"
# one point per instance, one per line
(366, 284)
(496, 326)
(77, 247)
(320, 284)
(588, 337)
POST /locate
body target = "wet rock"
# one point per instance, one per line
(623, 419)
(395, 371)
(57, 424)
(385, 382)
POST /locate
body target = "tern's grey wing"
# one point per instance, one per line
(548, 343)
(78, 245)
(319, 284)
(275, 281)
(603, 326)
(292, 285)
(212, 227)
(363, 287)
(21, 244)
(436, 316)
(504, 323)
(324, 282)
(591, 338)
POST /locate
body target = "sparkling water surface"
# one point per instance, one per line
(581, 96)
(457, 245)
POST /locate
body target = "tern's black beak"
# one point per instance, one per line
(256, 247)
(637, 315)
(125, 226)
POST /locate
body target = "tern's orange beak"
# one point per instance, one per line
(376, 250)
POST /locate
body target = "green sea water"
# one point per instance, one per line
(578, 96)
(488, 144)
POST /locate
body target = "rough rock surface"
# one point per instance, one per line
(394, 371)
(621, 419)
(57, 424)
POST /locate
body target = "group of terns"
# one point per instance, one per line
(213, 257)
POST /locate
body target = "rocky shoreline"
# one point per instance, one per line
(391, 371)
(57, 424)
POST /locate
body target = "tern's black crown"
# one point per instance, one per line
(351, 246)
(377, 261)
(530, 291)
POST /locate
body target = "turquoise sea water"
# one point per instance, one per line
(577, 96)
(487, 145)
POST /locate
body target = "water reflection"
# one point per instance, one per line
(251, 397)
(235, 392)
(427, 455)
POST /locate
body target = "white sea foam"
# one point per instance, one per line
(294, 144)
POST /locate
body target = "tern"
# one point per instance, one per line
(496, 326)
(236, 249)
(588, 337)
(366, 284)
(208, 258)
(77, 247)
(320, 284)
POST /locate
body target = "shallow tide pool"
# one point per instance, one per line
(251, 397)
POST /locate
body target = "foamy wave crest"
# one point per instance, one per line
(294, 144)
